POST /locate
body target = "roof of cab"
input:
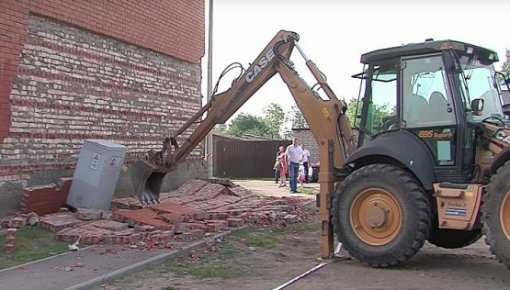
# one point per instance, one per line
(429, 46)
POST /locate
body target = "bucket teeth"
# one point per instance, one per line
(147, 182)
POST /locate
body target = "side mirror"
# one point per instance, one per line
(477, 106)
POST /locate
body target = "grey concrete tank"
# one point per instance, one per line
(96, 174)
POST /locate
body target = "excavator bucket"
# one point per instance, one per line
(147, 181)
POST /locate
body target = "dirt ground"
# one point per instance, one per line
(267, 268)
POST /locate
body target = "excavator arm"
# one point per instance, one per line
(326, 119)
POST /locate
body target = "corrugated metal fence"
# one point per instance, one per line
(244, 158)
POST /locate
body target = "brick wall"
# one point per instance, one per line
(306, 138)
(123, 70)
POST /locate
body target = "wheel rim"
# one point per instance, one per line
(504, 215)
(376, 216)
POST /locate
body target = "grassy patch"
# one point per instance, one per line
(308, 190)
(238, 243)
(32, 243)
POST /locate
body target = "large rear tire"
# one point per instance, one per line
(453, 239)
(496, 215)
(381, 215)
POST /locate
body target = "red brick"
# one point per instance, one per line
(162, 237)
(290, 219)
(58, 221)
(174, 218)
(66, 235)
(10, 240)
(170, 207)
(4, 222)
(216, 225)
(194, 226)
(9, 248)
(197, 234)
(185, 237)
(134, 238)
(218, 215)
(224, 182)
(143, 228)
(199, 215)
(238, 191)
(191, 186)
(17, 222)
(110, 225)
(126, 203)
(64, 184)
(235, 222)
(88, 214)
(144, 216)
(33, 219)
(41, 199)
(211, 191)
(107, 215)
(12, 232)
(134, 214)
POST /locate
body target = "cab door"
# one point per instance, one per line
(427, 110)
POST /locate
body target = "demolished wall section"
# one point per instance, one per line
(119, 70)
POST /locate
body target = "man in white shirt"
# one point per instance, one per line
(295, 156)
(306, 156)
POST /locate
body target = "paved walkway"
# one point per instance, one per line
(92, 266)
(269, 188)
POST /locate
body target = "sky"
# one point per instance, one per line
(334, 34)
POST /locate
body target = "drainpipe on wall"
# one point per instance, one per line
(208, 138)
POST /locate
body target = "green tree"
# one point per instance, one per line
(352, 105)
(506, 65)
(296, 118)
(248, 124)
(380, 112)
(274, 117)
(220, 128)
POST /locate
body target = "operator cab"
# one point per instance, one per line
(438, 91)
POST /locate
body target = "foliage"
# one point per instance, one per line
(506, 65)
(32, 243)
(379, 112)
(248, 124)
(274, 117)
(352, 105)
(268, 126)
(220, 128)
(294, 119)
(297, 119)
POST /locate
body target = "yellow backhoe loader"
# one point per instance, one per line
(429, 161)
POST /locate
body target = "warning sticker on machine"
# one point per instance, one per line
(94, 163)
(456, 211)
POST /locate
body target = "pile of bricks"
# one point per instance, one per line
(197, 209)
(10, 241)
(47, 198)
(19, 221)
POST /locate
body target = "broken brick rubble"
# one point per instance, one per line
(194, 210)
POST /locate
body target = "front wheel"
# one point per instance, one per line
(496, 215)
(381, 215)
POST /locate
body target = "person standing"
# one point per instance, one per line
(295, 155)
(306, 157)
(284, 167)
(277, 166)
